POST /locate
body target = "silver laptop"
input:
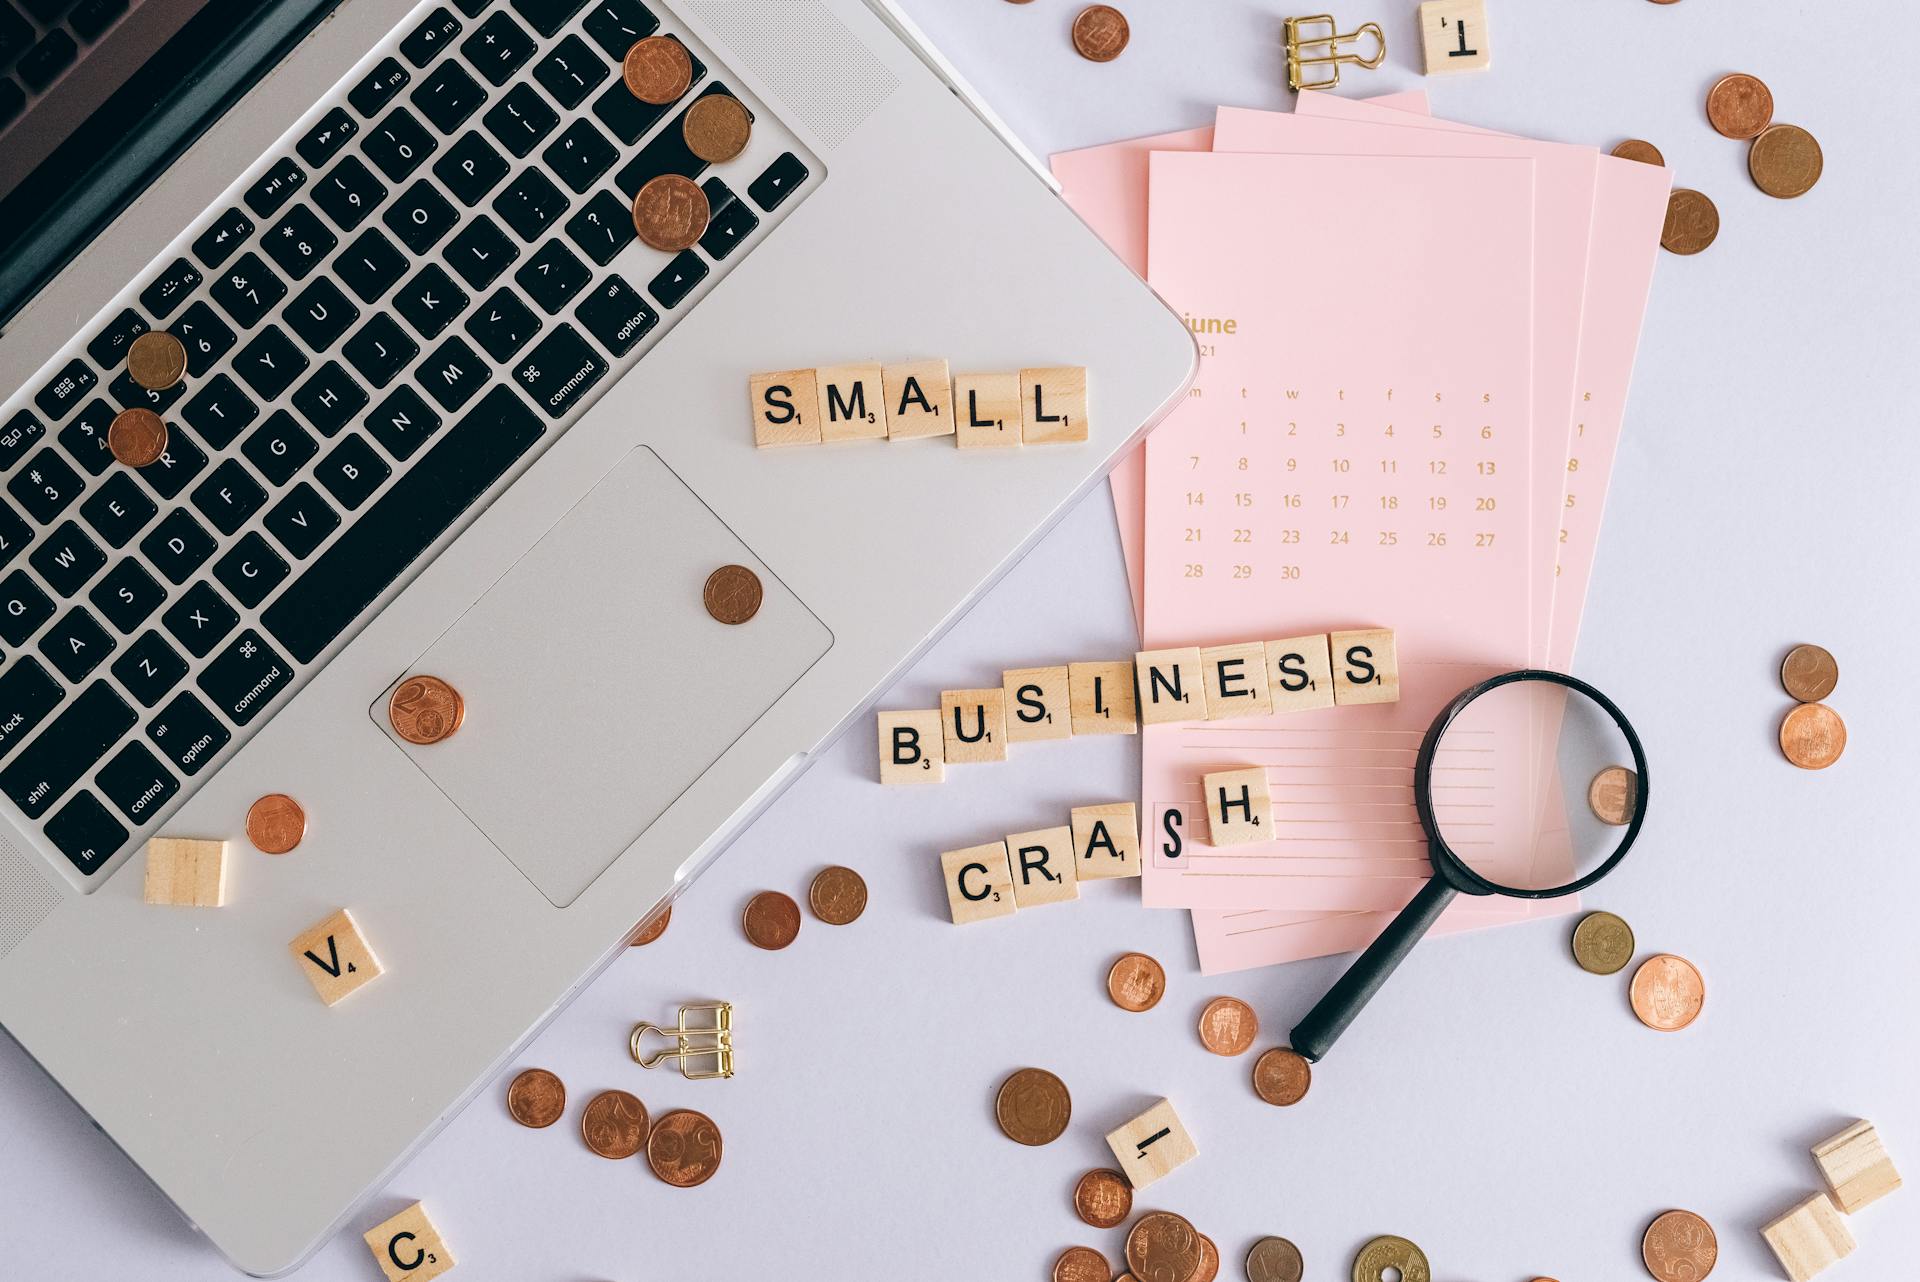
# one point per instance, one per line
(444, 414)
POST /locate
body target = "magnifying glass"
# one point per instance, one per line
(1522, 787)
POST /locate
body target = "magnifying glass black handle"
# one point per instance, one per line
(1315, 1035)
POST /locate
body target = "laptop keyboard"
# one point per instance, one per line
(391, 313)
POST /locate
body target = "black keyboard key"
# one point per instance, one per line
(502, 325)
(85, 832)
(229, 496)
(130, 395)
(616, 24)
(126, 595)
(625, 116)
(677, 279)
(470, 169)
(187, 733)
(371, 96)
(301, 521)
(270, 362)
(250, 570)
(179, 463)
(245, 678)
(603, 228)
(76, 643)
(777, 182)
(419, 216)
(136, 782)
(521, 119)
(472, 8)
(91, 18)
(351, 471)
(349, 192)
(718, 194)
(118, 510)
(204, 335)
(552, 276)
(45, 487)
(497, 48)
(665, 153)
(480, 252)
(248, 290)
(530, 204)
(41, 65)
(728, 229)
(200, 619)
(23, 608)
(14, 534)
(279, 447)
(220, 410)
(58, 398)
(21, 431)
(149, 669)
(170, 288)
(570, 71)
(424, 43)
(547, 16)
(616, 315)
(559, 371)
(453, 375)
(66, 558)
(27, 695)
(320, 313)
(328, 399)
(402, 423)
(398, 144)
(109, 347)
(324, 141)
(448, 96)
(380, 349)
(430, 301)
(217, 243)
(16, 37)
(580, 155)
(85, 437)
(371, 265)
(177, 546)
(298, 242)
(275, 187)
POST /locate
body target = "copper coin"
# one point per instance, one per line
(732, 594)
(1813, 736)
(1100, 33)
(1209, 1267)
(275, 824)
(137, 437)
(1408, 1261)
(1739, 106)
(1613, 794)
(1644, 152)
(717, 128)
(1692, 222)
(425, 710)
(651, 929)
(1809, 673)
(1228, 1026)
(1667, 993)
(1602, 944)
(1136, 982)
(1282, 1077)
(536, 1098)
(1679, 1247)
(1033, 1107)
(1274, 1259)
(614, 1124)
(684, 1148)
(156, 360)
(772, 920)
(1785, 161)
(1103, 1199)
(1163, 1247)
(1081, 1264)
(837, 896)
(657, 70)
(671, 213)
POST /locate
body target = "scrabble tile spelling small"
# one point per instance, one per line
(909, 400)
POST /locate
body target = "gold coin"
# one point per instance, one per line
(1679, 1247)
(1785, 161)
(1644, 152)
(1033, 1107)
(717, 128)
(1692, 222)
(1667, 993)
(536, 1098)
(1282, 1077)
(156, 360)
(1602, 944)
(1739, 106)
(683, 1148)
(651, 929)
(1809, 673)
(1136, 982)
(1100, 33)
(1081, 1264)
(1228, 1026)
(670, 213)
(425, 710)
(1613, 794)
(732, 594)
(838, 895)
(1209, 1266)
(772, 920)
(1103, 1199)
(275, 824)
(1274, 1259)
(137, 437)
(657, 70)
(614, 1124)
(1813, 736)
(1163, 1247)
(1389, 1252)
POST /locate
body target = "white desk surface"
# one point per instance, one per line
(1496, 1104)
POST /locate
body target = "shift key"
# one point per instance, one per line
(66, 749)
(27, 695)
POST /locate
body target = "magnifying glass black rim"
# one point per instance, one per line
(1450, 865)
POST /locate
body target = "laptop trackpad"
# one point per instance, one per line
(598, 688)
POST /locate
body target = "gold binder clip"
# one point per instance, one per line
(712, 1042)
(1298, 44)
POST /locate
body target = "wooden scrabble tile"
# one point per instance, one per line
(1856, 1167)
(1366, 667)
(1102, 696)
(919, 399)
(186, 872)
(986, 410)
(1299, 674)
(1151, 1145)
(408, 1248)
(853, 403)
(1106, 841)
(1053, 404)
(1236, 681)
(1043, 866)
(785, 404)
(979, 882)
(1038, 704)
(1239, 806)
(912, 747)
(1454, 35)
(334, 957)
(1809, 1237)
(1171, 685)
(973, 724)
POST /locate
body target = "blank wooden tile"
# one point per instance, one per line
(335, 957)
(1171, 685)
(1043, 866)
(186, 872)
(986, 410)
(1102, 696)
(979, 882)
(1810, 1237)
(1151, 1145)
(973, 724)
(1366, 667)
(408, 1248)
(1106, 841)
(853, 404)
(1236, 681)
(1053, 404)
(1454, 36)
(1239, 806)
(919, 399)
(785, 406)
(912, 747)
(1299, 674)
(1038, 704)
(1856, 1167)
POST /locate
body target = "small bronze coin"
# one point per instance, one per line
(1813, 736)
(1390, 1252)
(657, 70)
(1785, 161)
(1136, 982)
(1282, 1077)
(1644, 152)
(1228, 1026)
(684, 1148)
(1100, 33)
(1667, 993)
(1602, 944)
(651, 929)
(1612, 795)
(1163, 1247)
(1103, 1199)
(1033, 1107)
(1692, 222)
(614, 1124)
(536, 1098)
(425, 710)
(156, 360)
(1274, 1259)
(717, 128)
(1209, 1267)
(1679, 1247)
(137, 437)
(1739, 106)
(671, 213)
(275, 824)
(772, 920)
(1081, 1264)
(838, 895)
(732, 594)
(1809, 673)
